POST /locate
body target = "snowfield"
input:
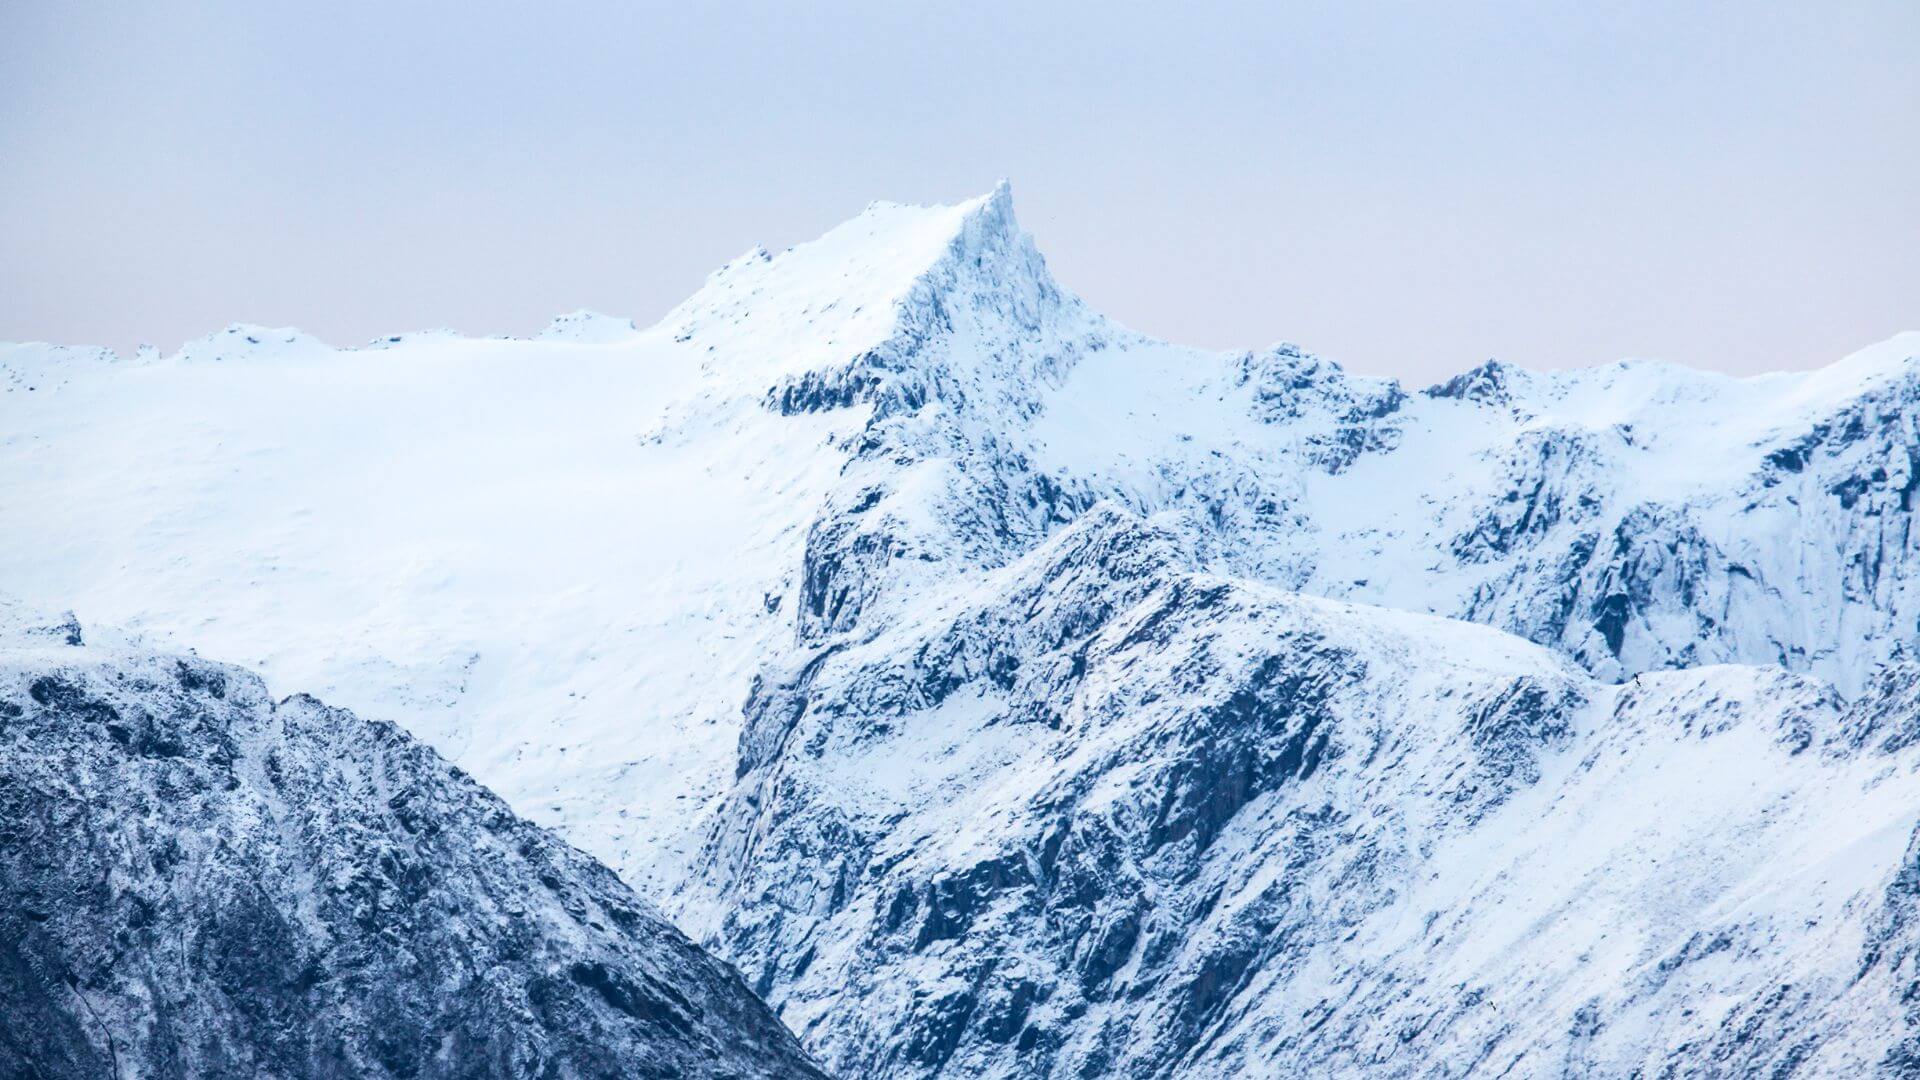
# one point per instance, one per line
(1009, 694)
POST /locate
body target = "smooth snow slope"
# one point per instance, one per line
(475, 538)
(563, 561)
(550, 558)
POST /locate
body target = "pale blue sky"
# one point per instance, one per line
(1404, 188)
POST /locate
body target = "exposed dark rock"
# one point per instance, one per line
(197, 882)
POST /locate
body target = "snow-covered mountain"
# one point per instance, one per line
(197, 881)
(1112, 816)
(1012, 694)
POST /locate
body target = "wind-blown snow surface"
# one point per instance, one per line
(575, 564)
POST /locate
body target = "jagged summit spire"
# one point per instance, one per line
(990, 218)
(840, 295)
(1000, 199)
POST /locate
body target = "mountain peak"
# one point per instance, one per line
(1492, 383)
(821, 304)
(245, 341)
(996, 206)
(589, 327)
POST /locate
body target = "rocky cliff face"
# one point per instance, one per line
(1789, 550)
(1064, 787)
(197, 881)
(1106, 816)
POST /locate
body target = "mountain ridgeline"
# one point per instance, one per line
(1066, 775)
(1003, 692)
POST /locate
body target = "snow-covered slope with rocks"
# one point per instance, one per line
(1104, 815)
(775, 607)
(198, 881)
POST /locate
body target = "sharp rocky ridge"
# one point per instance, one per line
(196, 880)
(1008, 693)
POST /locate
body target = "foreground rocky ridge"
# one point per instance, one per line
(1105, 816)
(196, 881)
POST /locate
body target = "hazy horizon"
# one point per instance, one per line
(1406, 191)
